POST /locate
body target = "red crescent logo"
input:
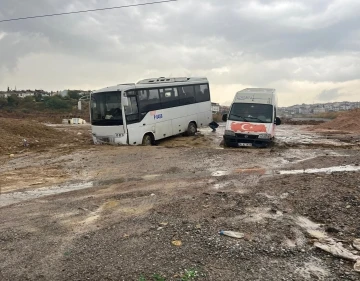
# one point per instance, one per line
(247, 127)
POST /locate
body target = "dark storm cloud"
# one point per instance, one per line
(243, 42)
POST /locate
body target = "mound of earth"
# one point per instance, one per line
(198, 140)
(15, 131)
(347, 121)
(288, 121)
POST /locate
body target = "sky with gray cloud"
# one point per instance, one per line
(308, 50)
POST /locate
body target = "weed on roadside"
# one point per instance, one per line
(188, 275)
(158, 277)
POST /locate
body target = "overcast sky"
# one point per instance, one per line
(308, 50)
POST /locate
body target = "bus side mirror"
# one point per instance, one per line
(225, 117)
(278, 121)
(124, 100)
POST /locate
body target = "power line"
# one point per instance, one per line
(92, 10)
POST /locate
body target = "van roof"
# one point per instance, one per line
(257, 91)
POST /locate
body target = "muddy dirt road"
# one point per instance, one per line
(149, 213)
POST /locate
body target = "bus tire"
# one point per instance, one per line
(148, 139)
(192, 129)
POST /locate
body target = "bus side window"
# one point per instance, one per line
(169, 97)
(202, 93)
(132, 111)
(142, 97)
(152, 102)
(187, 95)
(132, 108)
(142, 94)
(129, 95)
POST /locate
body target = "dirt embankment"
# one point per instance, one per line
(37, 135)
(48, 117)
(348, 121)
(289, 121)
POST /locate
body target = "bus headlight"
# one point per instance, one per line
(229, 133)
(264, 136)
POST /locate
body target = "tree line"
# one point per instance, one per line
(41, 102)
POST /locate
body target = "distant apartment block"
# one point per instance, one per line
(224, 109)
(3, 95)
(215, 107)
(308, 109)
(318, 110)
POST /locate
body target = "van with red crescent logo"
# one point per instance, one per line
(252, 118)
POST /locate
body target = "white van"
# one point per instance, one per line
(252, 118)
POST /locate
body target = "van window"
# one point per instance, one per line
(251, 112)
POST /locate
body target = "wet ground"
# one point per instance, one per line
(118, 213)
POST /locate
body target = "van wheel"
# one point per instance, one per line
(147, 140)
(271, 144)
(192, 129)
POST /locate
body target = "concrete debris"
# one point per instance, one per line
(356, 244)
(336, 249)
(177, 243)
(232, 234)
(327, 243)
(357, 266)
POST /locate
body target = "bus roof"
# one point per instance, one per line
(155, 82)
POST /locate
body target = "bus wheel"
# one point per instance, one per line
(192, 129)
(147, 140)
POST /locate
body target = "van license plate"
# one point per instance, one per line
(245, 144)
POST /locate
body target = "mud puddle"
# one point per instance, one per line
(244, 178)
(298, 135)
(215, 137)
(243, 171)
(17, 197)
(285, 134)
(20, 196)
(329, 170)
(239, 178)
(220, 173)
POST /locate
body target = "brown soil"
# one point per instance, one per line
(346, 121)
(46, 117)
(142, 199)
(198, 140)
(301, 122)
(37, 135)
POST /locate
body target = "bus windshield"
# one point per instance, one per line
(106, 108)
(251, 112)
